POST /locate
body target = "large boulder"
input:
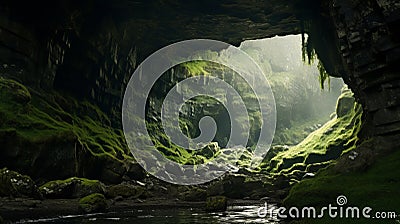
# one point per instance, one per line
(125, 190)
(345, 103)
(16, 185)
(93, 203)
(195, 194)
(72, 188)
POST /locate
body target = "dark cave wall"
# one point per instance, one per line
(69, 46)
(90, 48)
(369, 43)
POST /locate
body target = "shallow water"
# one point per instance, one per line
(234, 214)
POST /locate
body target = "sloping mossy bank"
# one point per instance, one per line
(365, 184)
(366, 173)
(321, 147)
(50, 136)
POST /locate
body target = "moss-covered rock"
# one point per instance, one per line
(15, 91)
(322, 146)
(216, 203)
(345, 103)
(72, 188)
(50, 136)
(363, 182)
(125, 190)
(93, 203)
(195, 194)
(13, 184)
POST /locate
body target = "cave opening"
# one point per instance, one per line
(302, 105)
(304, 100)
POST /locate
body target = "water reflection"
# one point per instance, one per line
(234, 214)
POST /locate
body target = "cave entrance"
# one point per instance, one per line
(302, 104)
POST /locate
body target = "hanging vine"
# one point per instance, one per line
(309, 54)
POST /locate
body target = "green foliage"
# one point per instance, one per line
(309, 55)
(323, 76)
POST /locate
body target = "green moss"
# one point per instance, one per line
(17, 92)
(337, 136)
(71, 188)
(309, 55)
(195, 68)
(125, 190)
(376, 187)
(13, 184)
(195, 194)
(82, 181)
(93, 203)
(48, 118)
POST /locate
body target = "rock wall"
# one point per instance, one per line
(369, 43)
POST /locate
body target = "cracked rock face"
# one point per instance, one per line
(370, 47)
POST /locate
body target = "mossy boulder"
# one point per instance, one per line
(195, 194)
(125, 190)
(216, 203)
(93, 203)
(16, 185)
(345, 103)
(324, 145)
(72, 188)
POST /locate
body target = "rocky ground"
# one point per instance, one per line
(76, 196)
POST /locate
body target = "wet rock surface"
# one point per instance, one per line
(93, 203)
(13, 184)
(125, 190)
(72, 188)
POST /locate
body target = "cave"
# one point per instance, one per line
(66, 66)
